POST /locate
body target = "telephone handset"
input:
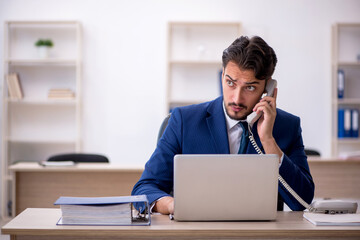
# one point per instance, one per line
(330, 207)
(270, 87)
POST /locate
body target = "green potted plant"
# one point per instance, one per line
(43, 46)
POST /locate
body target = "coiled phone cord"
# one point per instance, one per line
(283, 182)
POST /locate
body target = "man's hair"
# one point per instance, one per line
(251, 54)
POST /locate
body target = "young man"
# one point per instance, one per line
(213, 128)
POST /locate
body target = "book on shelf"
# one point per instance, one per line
(61, 93)
(103, 210)
(341, 83)
(344, 123)
(348, 123)
(11, 90)
(354, 123)
(14, 86)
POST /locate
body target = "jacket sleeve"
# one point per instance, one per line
(157, 179)
(295, 171)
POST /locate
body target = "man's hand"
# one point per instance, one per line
(165, 205)
(267, 106)
(265, 125)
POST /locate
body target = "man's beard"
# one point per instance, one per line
(238, 118)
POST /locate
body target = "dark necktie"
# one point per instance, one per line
(244, 138)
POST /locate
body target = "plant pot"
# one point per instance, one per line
(43, 51)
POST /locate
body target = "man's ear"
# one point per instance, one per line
(223, 74)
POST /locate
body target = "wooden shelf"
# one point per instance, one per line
(215, 24)
(346, 101)
(36, 127)
(40, 62)
(41, 141)
(349, 140)
(348, 64)
(48, 102)
(345, 44)
(196, 62)
(51, 24)
(185, 103)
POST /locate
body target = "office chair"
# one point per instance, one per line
(79, 158)
(163, 126)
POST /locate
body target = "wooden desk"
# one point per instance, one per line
(37, 186)
(40, 224)
(335, 178)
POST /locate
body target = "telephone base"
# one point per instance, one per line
(334, 207)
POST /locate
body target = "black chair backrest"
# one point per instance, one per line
(311, 152)
(79, 158)
(163, 126)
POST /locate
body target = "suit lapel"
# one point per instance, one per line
(217, 126)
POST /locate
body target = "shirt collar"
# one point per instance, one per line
(230, 123)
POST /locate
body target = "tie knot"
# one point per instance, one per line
(244, 126)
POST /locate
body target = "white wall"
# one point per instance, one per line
(124, 84)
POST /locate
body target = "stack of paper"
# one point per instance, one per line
(57, 163)
(95, 211)
(320, 219)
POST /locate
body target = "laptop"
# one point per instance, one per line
(225, 187)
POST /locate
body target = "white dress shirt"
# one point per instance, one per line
(234, 131)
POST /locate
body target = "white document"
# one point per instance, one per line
(320, 219)
(57, 163)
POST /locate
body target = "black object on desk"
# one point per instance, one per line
(79, 158)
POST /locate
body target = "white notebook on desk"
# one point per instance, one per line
(319, 219)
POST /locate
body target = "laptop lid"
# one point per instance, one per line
(225, 187)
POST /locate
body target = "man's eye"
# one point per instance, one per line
(251, 88)
(229, 83)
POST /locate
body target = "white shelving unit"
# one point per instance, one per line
(346, 53)
(35, 126)
(194, 60)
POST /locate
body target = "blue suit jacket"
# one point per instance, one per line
(201, 129)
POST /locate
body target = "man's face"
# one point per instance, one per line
(241, 91)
